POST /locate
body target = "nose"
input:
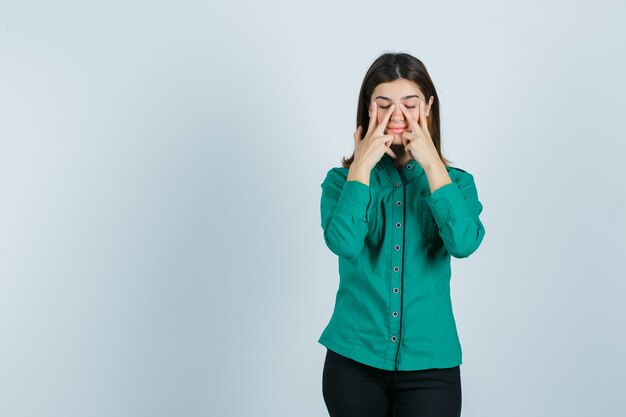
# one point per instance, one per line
(397, 114)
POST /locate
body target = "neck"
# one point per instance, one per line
(402, 156)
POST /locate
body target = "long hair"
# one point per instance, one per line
(389, 67)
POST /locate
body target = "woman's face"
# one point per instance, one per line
(396, 92)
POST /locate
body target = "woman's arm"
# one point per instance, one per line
(456, 209)
(343, 210)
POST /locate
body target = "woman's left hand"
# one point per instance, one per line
(418, 141)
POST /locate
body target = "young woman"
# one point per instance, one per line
(394, 214)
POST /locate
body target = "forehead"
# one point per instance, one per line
(396, 90)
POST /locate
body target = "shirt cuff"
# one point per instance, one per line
(354, 199)
(447, 203)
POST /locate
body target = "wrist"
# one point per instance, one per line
(437, 175)
(360, 167)
(435, 164)
(358, 172)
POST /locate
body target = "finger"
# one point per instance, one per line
(391, 153)
(373, 113)
(405, 139)
(422, 121)
(357, 135)
(409, 117)
(388, 141)
(383, 123)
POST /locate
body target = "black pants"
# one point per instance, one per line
(353, 389)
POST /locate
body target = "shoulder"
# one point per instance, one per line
(456, 168)
(458, 171)
(460, 175)
(336, 173)
(336, 176)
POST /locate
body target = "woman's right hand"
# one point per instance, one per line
(369, 150)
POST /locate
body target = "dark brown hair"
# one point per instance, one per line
(393, 66)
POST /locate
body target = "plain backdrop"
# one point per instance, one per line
(160, 166)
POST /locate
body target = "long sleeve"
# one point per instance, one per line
(343, 210)
(456, 209)
(395, 240)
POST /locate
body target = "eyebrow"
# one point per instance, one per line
(403, 98)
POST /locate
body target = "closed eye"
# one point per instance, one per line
(408, 107)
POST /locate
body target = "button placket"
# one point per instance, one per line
(397, 236)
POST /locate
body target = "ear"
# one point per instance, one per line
(430, 103)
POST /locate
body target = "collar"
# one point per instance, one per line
(409, 172)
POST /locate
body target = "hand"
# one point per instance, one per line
(370, 149)
(418, 141)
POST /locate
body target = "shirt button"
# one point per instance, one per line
(397, 247)
(398, 203)
(393, 338)
(395, 314)
(398, 224)
(396, 269)
(398, 184)
(396, 290)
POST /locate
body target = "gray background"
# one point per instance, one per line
(160, 166)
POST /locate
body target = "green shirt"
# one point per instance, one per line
(394, 240)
